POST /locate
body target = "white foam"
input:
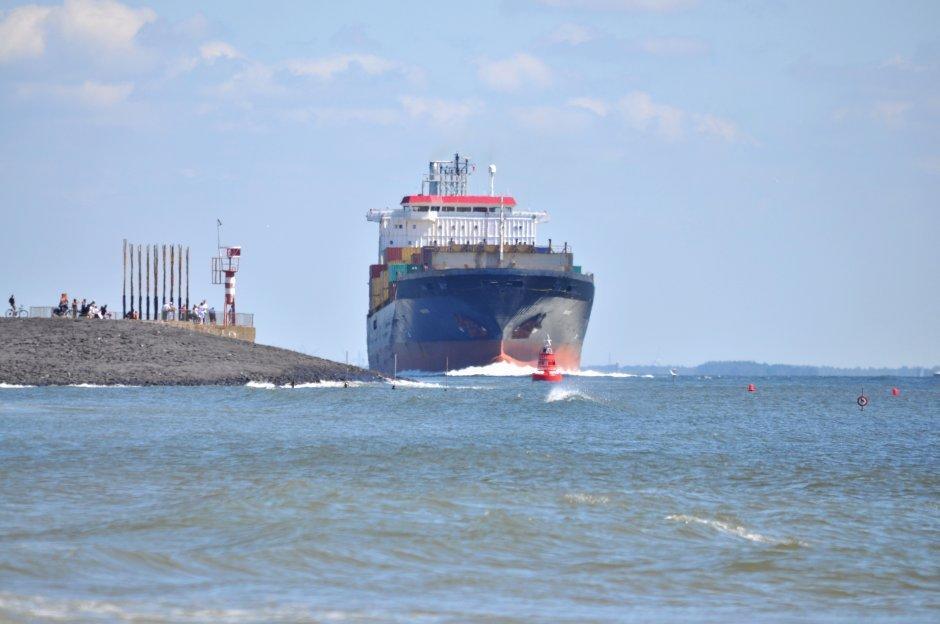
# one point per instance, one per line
(496, 369)
(406, 383)
(325, 384)
(593, 373)
(88, 385)
(586, 499)
(7, 385)
(261, 385)
(509, 369)
(566, 394)
(732, 529)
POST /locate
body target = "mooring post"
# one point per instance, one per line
(124, 280)
(148, 282)
(132, 276)
(156, 281)
(187, 277)
(163, 303)
(140, 303)
(179, 269)
(172, 274)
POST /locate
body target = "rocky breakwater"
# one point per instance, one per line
(45, 352)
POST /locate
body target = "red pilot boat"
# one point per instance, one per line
(547, 367)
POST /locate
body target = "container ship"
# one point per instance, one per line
(462, 281)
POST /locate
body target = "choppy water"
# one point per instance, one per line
(473, 498)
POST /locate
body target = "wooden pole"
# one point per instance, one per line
(140, 303)
(187, 278)
(124, 280)
(156, 281)
(179, 270)
(163, 303)
(132, 276)
(172, 272)
(148, 282)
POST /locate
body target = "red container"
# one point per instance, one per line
(375, 270)
(392, 254)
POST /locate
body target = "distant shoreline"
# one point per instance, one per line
(63, 352)
(760, 369)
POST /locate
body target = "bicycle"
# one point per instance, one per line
(17, 312)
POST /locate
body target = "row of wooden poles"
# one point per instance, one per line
(159, 253)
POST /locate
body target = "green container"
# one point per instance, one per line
(576, 268)
(395, 271)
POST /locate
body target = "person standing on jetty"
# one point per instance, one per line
(12, 301)
(74, 308)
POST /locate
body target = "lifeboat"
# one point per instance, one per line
(547, 367)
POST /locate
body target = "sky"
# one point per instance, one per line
(746, 180)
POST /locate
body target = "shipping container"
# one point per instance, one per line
(376, 269)
(392, 254)
(576, 268)
(395, 271)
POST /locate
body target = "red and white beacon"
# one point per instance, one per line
(547, 367)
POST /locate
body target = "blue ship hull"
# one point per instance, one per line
(452, 319)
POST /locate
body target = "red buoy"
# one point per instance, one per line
(751, 387)
(895, 391)
(547, 367)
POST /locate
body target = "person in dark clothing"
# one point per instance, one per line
(74, 308)
(12, 301)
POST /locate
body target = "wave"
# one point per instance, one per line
(262, 385)
(88, 385)
(496, 369)
(580, 498)
(70, 609)
(267, 385)
(567, 394)
(407, 383)
(736, 530)
(593, 373)
(8, 385)
(508, 369)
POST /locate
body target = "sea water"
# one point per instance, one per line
(469, 498)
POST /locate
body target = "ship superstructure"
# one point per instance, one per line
(461, 281)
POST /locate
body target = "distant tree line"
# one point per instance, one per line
(745, 368)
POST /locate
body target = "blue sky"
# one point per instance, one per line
(746, 180)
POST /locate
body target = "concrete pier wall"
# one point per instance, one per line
(227, 331)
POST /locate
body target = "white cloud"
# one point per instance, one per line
(341, 116)
(90, 93)
(214, 50)
(593, 105)
(672, 46)
(891, 112)
(515, 72)
(551, 119)
(572, 34)
(718, 127)
(23, 32)
(641, 113)
(902, 63)
(930, 164)
(438, 111)
(655, 6)
(254, 79)
(101, 24)
(328, 67)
